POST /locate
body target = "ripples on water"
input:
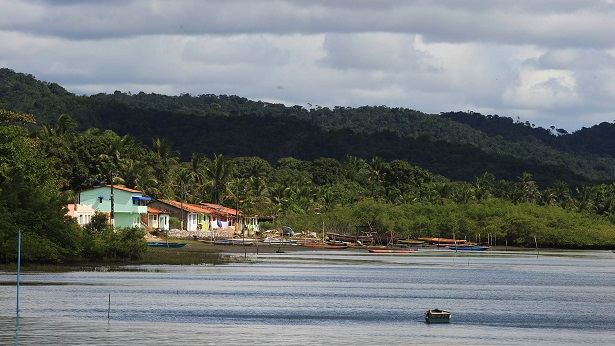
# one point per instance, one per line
(323, 298)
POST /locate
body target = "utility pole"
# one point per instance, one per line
(237, 215)
(112, 214)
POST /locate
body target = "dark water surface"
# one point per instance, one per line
(323, 298)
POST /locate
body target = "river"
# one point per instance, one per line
(323, 298)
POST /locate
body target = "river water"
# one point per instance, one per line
(323, 298)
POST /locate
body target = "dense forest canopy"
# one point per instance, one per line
(458, 145)
(391, 170)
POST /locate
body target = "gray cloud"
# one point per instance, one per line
(550, 62)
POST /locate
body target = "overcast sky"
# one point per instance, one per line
(549, 62)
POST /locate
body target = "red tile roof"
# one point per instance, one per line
(151, 210)
(220, 209)
(206, 208)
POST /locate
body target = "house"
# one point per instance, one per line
(83, 213)
(123, 205)
(213, 219)
(248, 225)
(222, 217)
(156, 219)
(192, 217)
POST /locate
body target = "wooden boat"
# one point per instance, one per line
(390, 251)
(329, 246)
(234, 242)
(411, 241)
(468, 248)
(442, 241)
(245, 242)
(350, 238)
(278, 241)
(437, 316)
(165, 244)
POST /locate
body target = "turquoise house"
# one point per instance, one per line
(128, 204)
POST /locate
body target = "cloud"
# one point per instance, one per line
(551, 61)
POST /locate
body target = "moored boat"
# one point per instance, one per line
(278, 241)
(437, 316)
(390, 251)
(447, 241)
(365, 239)
(411, 241)
(468, 248)
(330, 246)
(164, 244)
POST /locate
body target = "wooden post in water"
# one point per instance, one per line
(109, 308)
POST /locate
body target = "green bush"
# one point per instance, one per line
(118, 245)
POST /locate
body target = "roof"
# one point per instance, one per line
(193, 208)
(116, 187)
(152, 210)
(206, 208)
(220, 209)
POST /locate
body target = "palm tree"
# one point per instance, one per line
(65, 124)
(217, 173)
(528, 188)
(182, 182)
(164, 148)
(139, 175)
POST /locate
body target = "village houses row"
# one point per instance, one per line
(129, 208)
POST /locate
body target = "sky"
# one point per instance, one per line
(544, 62)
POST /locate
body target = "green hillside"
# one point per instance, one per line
(448, 144)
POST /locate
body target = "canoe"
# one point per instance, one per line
(390, 251)
(411, 242)
(468, 248)
(165, 244)
(350, 238)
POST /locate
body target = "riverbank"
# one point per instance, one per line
(208, 253)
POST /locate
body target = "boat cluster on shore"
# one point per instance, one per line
(342, 241)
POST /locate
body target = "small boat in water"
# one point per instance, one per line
(164, 244)
(437, 316)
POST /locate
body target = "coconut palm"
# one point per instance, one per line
(217, 173)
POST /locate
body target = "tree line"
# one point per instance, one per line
(43, 166)
(457, 145)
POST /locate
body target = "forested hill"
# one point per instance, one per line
(457, 145)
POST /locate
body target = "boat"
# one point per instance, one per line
(237, 241)
(350, 238)
(390, 251)
(446, 241)
(468, 248)
(164, 244)
(330, 246)
(244, 242)
(222, 242)
(411, 242)
(278, 241)
(437, 316)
